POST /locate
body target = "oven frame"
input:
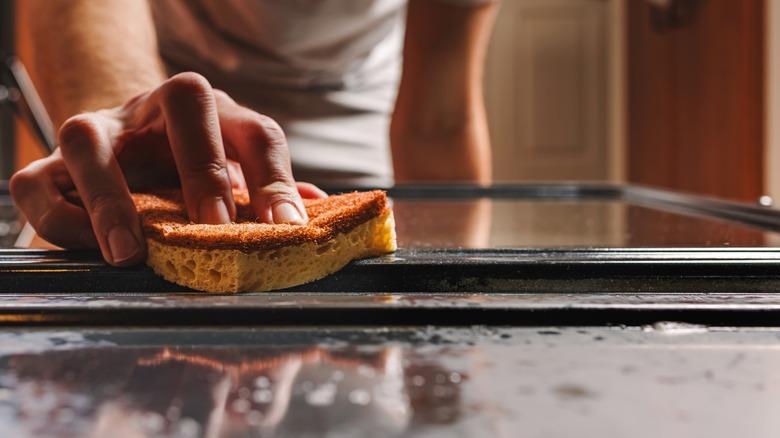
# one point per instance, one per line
(722, 286)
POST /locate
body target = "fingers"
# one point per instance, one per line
(196, 117)
(36, 193)
(310, 191)
(261, 148)
(236, 175)
(192, 125)
(89, 158)
(193, 118)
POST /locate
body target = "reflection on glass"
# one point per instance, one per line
(411, 382)
(540, 223)
(225, 392)
(554, 224)
(443, 224)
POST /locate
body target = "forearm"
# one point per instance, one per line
(93, 54)
(458, 153)
(439, 129)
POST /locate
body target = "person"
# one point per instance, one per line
(146, 95)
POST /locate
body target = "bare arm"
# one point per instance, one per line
(93, 54)
(439, 129)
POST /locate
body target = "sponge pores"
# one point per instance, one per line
(247, 256)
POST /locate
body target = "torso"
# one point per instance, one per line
(326, 70)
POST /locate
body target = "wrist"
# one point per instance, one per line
(444, 153)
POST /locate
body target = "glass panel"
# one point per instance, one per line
(523, 223)
(10, 225)
(486, 223)
(391, 382)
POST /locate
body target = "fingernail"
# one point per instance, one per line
(286, 213)
(122, 244)
(213, 211)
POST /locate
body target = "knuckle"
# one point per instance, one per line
(28, 179)
(209, 173)
(103, 201)
(273, 131)
(21, 182)
(277, 166)
(206, 168)
(272, 173)
(185, 85)
(267, 147)
(221, 96)
(276, 172)
(277, 192)
(264, 130)
(135, 100)
(77, 129)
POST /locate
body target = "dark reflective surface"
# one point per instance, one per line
(647, 382)
(234, 383)
(10, 223)
(522, 223)
(553, 216)
(407, 344)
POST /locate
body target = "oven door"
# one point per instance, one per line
(514, 255)
(544, 310)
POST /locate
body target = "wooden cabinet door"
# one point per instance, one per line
(546, 90)
(695, 96)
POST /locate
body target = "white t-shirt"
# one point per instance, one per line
(326, 70)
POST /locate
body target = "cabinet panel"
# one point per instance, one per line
(546, 90)
(696, 98)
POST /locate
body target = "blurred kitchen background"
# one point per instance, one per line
(670, 93)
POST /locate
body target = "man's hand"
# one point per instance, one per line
(181, 131)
